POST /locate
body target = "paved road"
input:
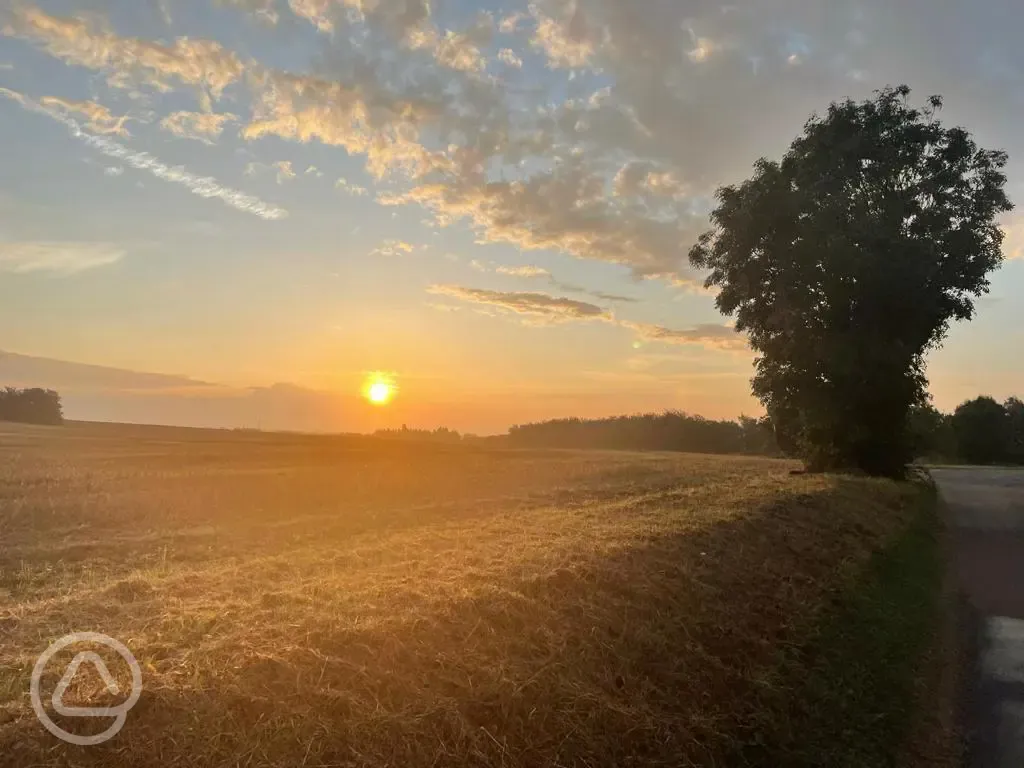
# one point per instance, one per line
(987, 515)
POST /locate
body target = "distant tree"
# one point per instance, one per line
(32, 406)
(1014, 408)
(982, 429)
(668, 431)
(846, 261)
(758, 436)
(931, 433)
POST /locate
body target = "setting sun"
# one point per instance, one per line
(380, 392)
(379, 388)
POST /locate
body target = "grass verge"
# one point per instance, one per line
(867, 684)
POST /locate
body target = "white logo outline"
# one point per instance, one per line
(118, 712)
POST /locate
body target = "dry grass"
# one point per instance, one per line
(301, 601)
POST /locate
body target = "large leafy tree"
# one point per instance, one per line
(846, 261)
(983, 431)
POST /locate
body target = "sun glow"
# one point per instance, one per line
(379, 388)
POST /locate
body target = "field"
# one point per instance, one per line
(333, 601)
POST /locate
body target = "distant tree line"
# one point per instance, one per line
(979, 431)
(441, 434)
(668, 431)
(32, 406)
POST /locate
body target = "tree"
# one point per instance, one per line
(846, 261)
(982, 428)
(1014, 408)
(930, 432)
(758, 436)
(34, 406)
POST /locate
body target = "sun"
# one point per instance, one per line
(380, 392)
(379, 388)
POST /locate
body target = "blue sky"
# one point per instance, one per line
(492, 202)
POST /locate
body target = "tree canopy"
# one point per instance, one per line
(846, 261)
(34, 406)
(983, 431)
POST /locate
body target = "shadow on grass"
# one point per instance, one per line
(784, 637)
(846, 696)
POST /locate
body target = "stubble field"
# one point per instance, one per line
(331, 601)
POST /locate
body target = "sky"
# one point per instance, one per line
(232, 212)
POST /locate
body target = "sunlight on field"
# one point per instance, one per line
(347, 601)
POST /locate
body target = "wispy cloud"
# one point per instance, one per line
(349, 188)
(317, 12)
(510, 24)
(128, 61)
(454, 50)
(393, 248)
(405, 23)
(565, 209)
(567, 41)
(610, 296)
(533, 272)
(706, 334)
(98, 118)
(645, 180)
(58, 258)
(508, 57)
(198, 126)
(264, 10)
(703, 48)
(1013, 237)
(527, 270)
(544, 308)
(203, 186)
(364, 116)
(537, 306)
(443, 307)
(283, 170)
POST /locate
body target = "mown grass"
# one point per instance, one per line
(850, 694)
(344, 602)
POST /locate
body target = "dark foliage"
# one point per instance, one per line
(1015, 417)
(32, 406)
(982, 429)
(846, 261)
(931, 434)
(979, 431)
(669, 431)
